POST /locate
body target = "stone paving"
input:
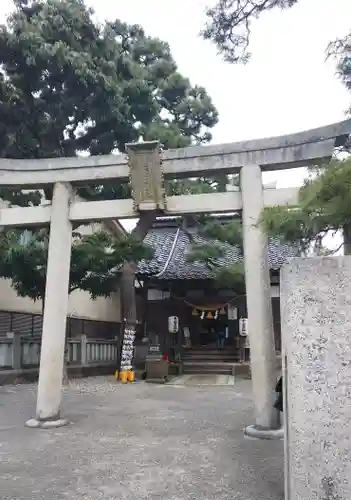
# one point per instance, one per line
(202, 380)
(139, 441)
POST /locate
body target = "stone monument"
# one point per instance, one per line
(316, 327)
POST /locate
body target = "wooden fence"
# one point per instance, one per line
(30, 324)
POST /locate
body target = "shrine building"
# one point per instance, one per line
(169, 285)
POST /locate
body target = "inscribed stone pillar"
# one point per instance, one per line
(259, 304)
(55, 312)
(316, 327)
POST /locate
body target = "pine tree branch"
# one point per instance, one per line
(229, 25)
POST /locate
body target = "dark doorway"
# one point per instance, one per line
(203, 332)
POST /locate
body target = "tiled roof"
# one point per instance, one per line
(172, 245)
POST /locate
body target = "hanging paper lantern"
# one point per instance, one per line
(209, 315)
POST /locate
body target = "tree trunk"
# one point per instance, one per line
(128, 295)
(347, 239)
(222, 183)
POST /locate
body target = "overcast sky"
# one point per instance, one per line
(287, 86)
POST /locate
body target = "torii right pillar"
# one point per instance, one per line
(259, 307)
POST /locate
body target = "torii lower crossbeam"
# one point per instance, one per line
(91, 211)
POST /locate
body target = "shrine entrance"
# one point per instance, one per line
(209, 326)
(146, 168)
(203, 333)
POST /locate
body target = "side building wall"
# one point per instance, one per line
(95, 318)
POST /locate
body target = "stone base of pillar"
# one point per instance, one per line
(33, 423)
(257, 432)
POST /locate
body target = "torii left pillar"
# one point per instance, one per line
(55, 313)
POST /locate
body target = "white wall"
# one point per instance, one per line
(80, 304)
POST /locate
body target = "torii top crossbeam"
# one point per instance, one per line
(286, 151)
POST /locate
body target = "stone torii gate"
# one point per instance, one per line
(249, 158)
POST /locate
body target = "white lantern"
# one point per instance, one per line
(173, 324)
(232, 313)
(243, 327)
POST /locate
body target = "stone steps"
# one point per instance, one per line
(211, 359)
(207, 367)
(210, 355)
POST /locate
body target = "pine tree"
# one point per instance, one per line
(69, 85)
(95, 261)
(323, 209)
(212, 251)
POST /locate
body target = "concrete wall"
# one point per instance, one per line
(80, 304)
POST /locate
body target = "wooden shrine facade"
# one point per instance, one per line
(172, 286)
(199, 307)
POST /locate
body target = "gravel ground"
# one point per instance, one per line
(139, 441)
